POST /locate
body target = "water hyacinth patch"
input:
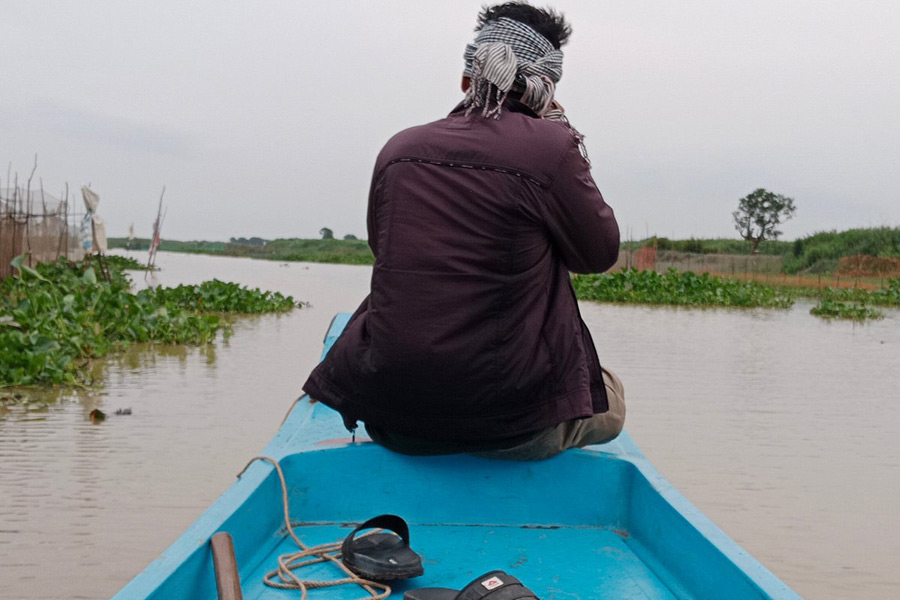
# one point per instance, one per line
(56, 318)
(848, 304)
(829, 308)
(677, 288)
(219, 296)
(889, 295)
(856, 304)
(124, 263)
(885, 296)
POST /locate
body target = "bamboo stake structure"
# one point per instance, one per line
(154, 242)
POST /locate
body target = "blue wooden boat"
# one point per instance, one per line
(592, 524)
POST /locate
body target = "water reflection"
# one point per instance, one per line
(779, 426)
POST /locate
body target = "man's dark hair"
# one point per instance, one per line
(546, 21)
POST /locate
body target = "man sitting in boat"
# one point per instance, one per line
(471, 339)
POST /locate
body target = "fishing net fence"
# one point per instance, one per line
(653, 259)
(39, 225)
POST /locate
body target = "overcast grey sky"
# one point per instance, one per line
(264, 118)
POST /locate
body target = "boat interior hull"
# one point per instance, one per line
(589, 524)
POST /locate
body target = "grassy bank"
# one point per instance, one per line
(873, 252)
(823, 252)
(58, 317)
(710, 246)
(826, 252)
(197, 247)
(353, 252)
(829, 267)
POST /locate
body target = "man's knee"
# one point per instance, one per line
(615, 393)
(616, 423)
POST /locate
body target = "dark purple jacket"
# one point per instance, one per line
(471, 330)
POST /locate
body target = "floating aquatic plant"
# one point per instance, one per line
(219, 296)
(124, 263)
(677, 288)
(57, 317)
(850, 305)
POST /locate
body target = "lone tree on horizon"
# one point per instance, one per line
(758, 215)
(326, 233)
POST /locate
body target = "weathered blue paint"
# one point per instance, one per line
(589, 524)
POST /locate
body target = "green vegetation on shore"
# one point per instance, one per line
(851, 253)
(353, 252)
(676, 288)
(196, 247)
(821, 252)
(57, 317)
(711, 246)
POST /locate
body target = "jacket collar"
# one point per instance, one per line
(510, 105)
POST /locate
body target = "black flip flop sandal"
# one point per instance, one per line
(495, 585)
(382, 556)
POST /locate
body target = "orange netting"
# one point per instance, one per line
(863, 265)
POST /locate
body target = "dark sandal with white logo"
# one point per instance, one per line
(381, 556)
(496, 585)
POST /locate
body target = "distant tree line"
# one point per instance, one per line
(325, 232)
(254, 241)
(328, 234)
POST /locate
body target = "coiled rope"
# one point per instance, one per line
(284, 578)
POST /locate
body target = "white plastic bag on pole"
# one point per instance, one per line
(93, 231)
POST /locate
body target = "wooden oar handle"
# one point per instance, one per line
(228, 581)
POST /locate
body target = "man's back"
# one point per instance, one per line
(471, 329)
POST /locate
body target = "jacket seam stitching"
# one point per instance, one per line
(471, 165)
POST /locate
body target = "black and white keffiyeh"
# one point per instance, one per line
(508, 55)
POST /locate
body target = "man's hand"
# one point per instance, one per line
(556, 112)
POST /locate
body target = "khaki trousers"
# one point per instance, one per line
(600, 428)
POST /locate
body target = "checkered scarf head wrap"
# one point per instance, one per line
(508, 55)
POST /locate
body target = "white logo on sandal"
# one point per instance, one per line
(492, 583)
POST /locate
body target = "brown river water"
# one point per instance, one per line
(781, 427)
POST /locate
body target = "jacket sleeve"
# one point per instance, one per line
(581, 225)
(371, 216)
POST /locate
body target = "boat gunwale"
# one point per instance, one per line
(289, 441)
